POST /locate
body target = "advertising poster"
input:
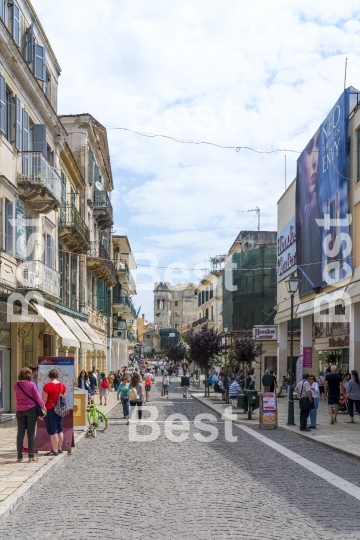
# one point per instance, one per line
(268, 410)
(80, 409)
(323, 244)
(65, 367)
(299, 369)
(307, 357)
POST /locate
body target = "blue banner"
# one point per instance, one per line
(323, 243)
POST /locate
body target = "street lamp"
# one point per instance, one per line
(292, 285)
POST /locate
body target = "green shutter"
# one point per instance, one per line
(100, 295)
(91, 167)
(73, 282)
(89, 289)
(61, 272)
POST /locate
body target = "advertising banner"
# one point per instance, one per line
(268, 410)
(65, 367)
(307, 357)
(299, 369)
(323, 244)
(286, 251)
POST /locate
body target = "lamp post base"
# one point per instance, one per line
(291, 417)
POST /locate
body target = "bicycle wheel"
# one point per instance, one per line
(101, 422)
(92, 424)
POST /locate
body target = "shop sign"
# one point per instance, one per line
(286, 251)
(265, 333)
(339, 342)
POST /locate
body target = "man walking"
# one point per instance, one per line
(267, 381)
(333, 381)
(304, 390)
(185, 383)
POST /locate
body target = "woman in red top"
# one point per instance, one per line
(50, 394)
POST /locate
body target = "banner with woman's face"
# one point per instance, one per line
(323, 243)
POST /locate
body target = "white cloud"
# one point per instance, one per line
(268, 71)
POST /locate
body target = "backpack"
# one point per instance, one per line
(133, 395)
(61, 409)
(148, 380)
(105, 384)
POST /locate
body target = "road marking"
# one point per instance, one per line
(333, 479)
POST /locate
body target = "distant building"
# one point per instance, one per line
(162, 304)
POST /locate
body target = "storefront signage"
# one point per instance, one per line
(265, 333)
(286, 251)
(339, 342)
(268, 410)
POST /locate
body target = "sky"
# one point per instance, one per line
(238, 73)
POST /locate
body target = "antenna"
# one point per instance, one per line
(345, 73)
(257, 210)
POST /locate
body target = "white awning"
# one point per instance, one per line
(90, 332)
(85, 341)
(52, 318)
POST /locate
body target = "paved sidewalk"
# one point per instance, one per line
(18, 479)
(342, 436)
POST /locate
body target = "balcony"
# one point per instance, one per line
(100, 265)
(123, 303)
(37, 276)
(203, 320)
(103, 211)
(73, 230)
(39, 183)
(125, 277)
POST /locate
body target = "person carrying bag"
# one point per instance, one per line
(306, 401)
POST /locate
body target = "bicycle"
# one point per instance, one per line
(97, 420)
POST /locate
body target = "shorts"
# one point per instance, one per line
(53, 422)
(333, 400)
(322, 389)
(147, 388)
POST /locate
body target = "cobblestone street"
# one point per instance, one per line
(114, 488)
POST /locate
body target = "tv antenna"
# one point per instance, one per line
(257, 210)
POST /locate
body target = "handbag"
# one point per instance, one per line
(304, 403)
(39, 411)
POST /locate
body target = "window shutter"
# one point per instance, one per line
(61, 271)
(39, 62)
(96, 174)
(18, 123)
(29, 45)
(91, 167)
(2, 104)
(73, 283)
(16, 24)
(72, 196)
(100, 295)
(40, 138)
(2, 10)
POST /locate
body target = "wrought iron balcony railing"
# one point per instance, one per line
(38, 171)
(101, 258)
(202, 320)
(102, 200)
(71, 220)
(35, 275)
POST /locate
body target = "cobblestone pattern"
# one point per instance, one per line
(113, 488)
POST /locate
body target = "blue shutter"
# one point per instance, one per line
(25, 142)
(18, 123)
(40, 138)
(16, 24)
(91, 167)
(29, 45)
(2, 104)
(39, 62)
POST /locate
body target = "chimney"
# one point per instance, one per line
(143, 316)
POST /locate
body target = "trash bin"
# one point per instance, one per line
(242, 402)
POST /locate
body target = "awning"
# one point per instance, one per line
(98, 344)
(52, 318)
(85, 341)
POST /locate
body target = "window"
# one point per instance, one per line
(16, 23)
(2, 103)
(50, 155)
(185, 293)
(211, 293)
(199, 299)
(4, 11)
(47, 85)
(39, 62)
(39, 139)
(176, 303)
(90, 167)
(8, 115)
(176, 325)
(49, 251)
(206, 295)
(175, 314)
(89, 288)
(175, 295)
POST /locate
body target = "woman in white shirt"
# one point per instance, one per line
(314, 387)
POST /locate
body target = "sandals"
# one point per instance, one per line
(51, 453)
(20, 460)
(33, 459)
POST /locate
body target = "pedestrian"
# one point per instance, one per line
(283, 386)
(149, 379)
(83, 381)
(304, 390)
(170, 372)
(162, 367)
(128, 374)
(242, 379)
(27, 397)
(50, 395)
(165, 383)
(333, 380)
(314, 387)
(92, 381)
(353, 390)
(248, 380)
(267, 381)
(274, 382)
(123, 395)
(235, 389)
(321, 383)
(253, 380)
(104, 388)
(34, 374)
(185, 383)
(136, 397)
(110, 379)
